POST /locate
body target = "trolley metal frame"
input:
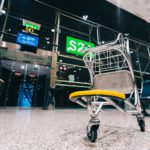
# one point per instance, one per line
(110, 69)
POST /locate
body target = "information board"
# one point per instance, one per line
(27, 39)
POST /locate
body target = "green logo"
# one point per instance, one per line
(77, 46)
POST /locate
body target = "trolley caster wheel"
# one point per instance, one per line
(92, 135)
(142, 125)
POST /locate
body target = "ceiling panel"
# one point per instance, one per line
(140, 8)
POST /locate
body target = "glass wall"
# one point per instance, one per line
(25, 84)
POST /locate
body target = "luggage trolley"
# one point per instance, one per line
(112, 77)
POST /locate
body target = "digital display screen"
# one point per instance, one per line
(27, 39)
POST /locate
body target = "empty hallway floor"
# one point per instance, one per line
(65, 129)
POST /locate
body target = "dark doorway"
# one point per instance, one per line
(25, 95)
(25, 84)
(62, 97)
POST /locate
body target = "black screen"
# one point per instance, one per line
(28, 48)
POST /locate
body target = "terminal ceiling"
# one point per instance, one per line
(99, 11)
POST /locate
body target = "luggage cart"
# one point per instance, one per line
(112, 77)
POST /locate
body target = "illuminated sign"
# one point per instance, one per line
(31, 24)
(77, 46)
(30, 30)
(27, 39)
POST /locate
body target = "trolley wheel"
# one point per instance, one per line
(92, 135)
(141, 123)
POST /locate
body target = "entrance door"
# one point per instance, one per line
(25, 84)
(25, 95)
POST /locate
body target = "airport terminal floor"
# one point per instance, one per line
(74, 76)
(64, 129)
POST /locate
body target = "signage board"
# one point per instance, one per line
(31, 24)
(27, 39)
(77, 46)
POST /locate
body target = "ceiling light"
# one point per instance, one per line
(17, 74)
(32, 75)
(47, 38)
(85, 17)
(48, 42)
(52, 30)
(36, 66)
(4, 44)
(3, 12)
(65, 68)
(126, 34)
(61, 68)
(22, 67)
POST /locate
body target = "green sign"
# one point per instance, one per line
(77, 46)
(31, 25)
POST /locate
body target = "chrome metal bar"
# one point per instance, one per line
(148, 48)
(98, 36)
(67, 85)
(1, 6)
(101, 104)
(142, 72)
(70, 57)
(114, 104)
(96, 113)
(57, 32)
(71, 65)
(66, 81)
(147, 66)
(6, 18)
(80, 103)
(138, 77)
(74, 31)
(132, 111)
(137, 41)
(107, 69)
(104, 103)
(77, 18)
(129, 104)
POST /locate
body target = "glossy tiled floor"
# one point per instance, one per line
(65, 130)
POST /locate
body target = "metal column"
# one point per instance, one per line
(6, 18)
(98, 36)
(56, 34)
(1, 6)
